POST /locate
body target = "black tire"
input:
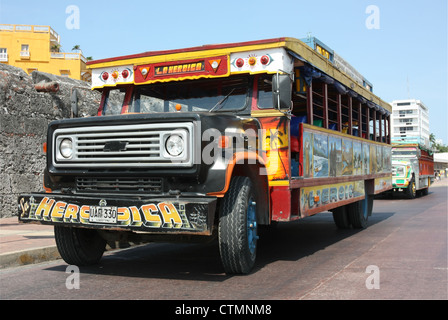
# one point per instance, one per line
(78, 246)
(359, 212)
(237, 231)
(340, 217)
(411, 190)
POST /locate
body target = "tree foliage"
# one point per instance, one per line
(437, 147)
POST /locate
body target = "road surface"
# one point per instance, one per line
(401, 255)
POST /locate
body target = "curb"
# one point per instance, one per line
(29, 256)
(44, 254)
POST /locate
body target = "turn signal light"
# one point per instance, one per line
(223, 142)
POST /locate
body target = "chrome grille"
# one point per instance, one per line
(123, 185)
(140, 145)
(134, 144)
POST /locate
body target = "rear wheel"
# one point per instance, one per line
(359, 212)
(79, 246)
(340, 217)
(237, 232)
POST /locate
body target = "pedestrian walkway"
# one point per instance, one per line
(25, 243)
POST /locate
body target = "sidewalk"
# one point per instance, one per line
(28, 243)
(25, 243)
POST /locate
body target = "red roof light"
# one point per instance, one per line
(264, 60)
(239, 62)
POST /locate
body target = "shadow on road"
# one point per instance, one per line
(401, 195)
(201, 262)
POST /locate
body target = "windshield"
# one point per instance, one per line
(224, 94)
(398, 171)
(114, 101)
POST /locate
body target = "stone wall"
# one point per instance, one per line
(24, 118)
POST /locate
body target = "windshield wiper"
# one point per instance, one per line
(220, 103)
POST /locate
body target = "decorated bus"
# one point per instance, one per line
(213, 142)
(412, 169)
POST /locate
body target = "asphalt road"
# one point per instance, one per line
(401, 255)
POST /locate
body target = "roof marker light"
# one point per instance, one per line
(215, 64)
(264, 60)
(144, 71)
(104, 76)
(252, 61)
(239, 62)
(125, 73)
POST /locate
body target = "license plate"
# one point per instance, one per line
(103, 214)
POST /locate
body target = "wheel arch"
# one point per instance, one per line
(252, 166)
(260, 183)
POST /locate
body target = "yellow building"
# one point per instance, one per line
(37, 48)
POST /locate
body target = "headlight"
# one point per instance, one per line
(174, 145)
(66, 148)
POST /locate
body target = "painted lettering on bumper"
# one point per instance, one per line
(178, 215)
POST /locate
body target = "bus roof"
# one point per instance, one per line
(221, 58)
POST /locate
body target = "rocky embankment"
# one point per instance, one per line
(25, 112)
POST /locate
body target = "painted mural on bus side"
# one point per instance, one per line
(327, 155)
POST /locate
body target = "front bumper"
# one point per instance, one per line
(174, 215)
(400, 183)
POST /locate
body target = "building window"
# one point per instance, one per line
(404, 112)
(65, 73)
(29, 70)
(25, 51)
(3, 54)
(403, 129)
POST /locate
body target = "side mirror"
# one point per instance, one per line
(281, 91)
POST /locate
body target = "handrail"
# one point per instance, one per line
(29, 28)
(67, 56)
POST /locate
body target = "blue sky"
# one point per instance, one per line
(405, 58)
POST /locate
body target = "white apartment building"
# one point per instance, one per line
(410, 122)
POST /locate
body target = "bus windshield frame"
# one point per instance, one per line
(230, 94)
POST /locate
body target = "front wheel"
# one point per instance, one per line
(79, 246)
(237, 232)
(411, 191)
